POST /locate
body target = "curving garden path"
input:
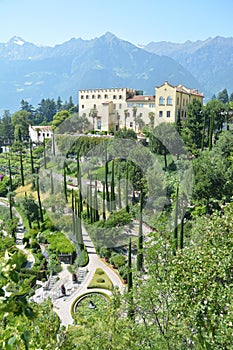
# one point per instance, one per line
(62, 306)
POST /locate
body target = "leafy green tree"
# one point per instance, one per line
(213, 176)
(59, 117)
(30, 209)
(20, 121)
(192, 126)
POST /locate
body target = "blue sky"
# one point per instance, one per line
(50, 22)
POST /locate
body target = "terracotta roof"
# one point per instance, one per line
(141, 98)
(41, 127)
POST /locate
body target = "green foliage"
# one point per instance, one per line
(126, 134)
(30, 209)
(59, 243)
(116, 219)
(118, 260)
(192, 126)
(4, 184)
(82, 258)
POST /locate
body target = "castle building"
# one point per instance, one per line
(115, 108)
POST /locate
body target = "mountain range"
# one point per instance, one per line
(31, 72)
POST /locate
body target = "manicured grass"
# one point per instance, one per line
(100, 280)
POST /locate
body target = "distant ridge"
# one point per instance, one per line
(210, 61)
(32, 72)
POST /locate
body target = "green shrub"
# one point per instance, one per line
(116, 219)
(118, 260)
(59, 243)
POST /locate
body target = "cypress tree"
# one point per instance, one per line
(32, 163)
(140, 237)
(10, 176)
(175, 232)
(119, 190)
(106, 176)
(130, 281)
(126, 187)
(80, 206)
(73, 213)
(90, 201)
(65, 182)
(211, 131)
(203, 134)
(10, 190)
(88, 208)
(182, 233)
(39, 200)
(113, 205)
(96, 212)
(129, 274)
(51, 183)
(44, 154)
(77, 223)
(104, 209)
(21, 167)
(178, 122)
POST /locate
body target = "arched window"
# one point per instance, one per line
(169, 100)
(161, 100)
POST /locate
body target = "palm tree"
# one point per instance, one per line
(151, 116)
(140, 122)
(134, 116)
(126, 115)
(93, 114)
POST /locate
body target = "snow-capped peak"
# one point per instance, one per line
(18, 41)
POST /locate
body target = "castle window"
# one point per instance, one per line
(87, 97)
(169, 100)
(161, 100)
(160, 114)
(168, 114)
(82, 97)
(105, 96)
(93, 96)
(99, 96)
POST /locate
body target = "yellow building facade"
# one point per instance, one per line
(171, 100)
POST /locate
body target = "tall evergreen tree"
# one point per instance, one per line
(130, 281)
(106, 175)
(65, 182)
(140, 237)
(104, 208)
(113, 197)
(211, 131)
(175, 231)
(39, 199)
(127, 188)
